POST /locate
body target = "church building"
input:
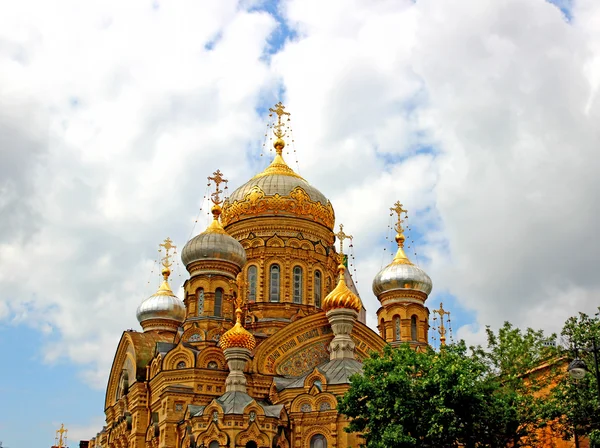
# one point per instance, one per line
(270, 328)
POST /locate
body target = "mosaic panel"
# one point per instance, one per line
(304, 360)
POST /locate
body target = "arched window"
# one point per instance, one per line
(218, 302)
(382, 328)
(251, 444)
(200, 295)
(396, 328)
(181, 365)
(318, 289)
(252, 273)
(318, 441)
(213, 444)
(274, 283)
(298, 284)
(413, 328)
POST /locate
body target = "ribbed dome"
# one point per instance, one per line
(237, 336)
(278, 190)
(341, 296)
(162, 305)
(401, 274)
(214, 244)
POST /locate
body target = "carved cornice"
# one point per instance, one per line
(297, 203)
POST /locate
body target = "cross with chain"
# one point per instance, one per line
(441, 312)
(59, 435)
(397, 208)
(218, 179)
(167, 245)
(342, 236)
(279, 110)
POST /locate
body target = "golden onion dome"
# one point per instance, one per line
(162, 305)
(214, 244)
(341, 296)
(401, 274)
(237, 336)
(278, 191)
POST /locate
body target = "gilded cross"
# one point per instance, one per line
(342, 236)
(279, 110)
(397, 208)
(441, 312)
(167, 245)
(59, 435)
(218, 179)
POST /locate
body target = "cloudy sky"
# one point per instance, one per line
(481, 116)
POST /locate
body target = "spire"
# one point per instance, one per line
(278, 165)
(278, 129)
(166, 260)
(215, 197)
(341, 236)
(400, 257)
(442, 329)
(61, 437)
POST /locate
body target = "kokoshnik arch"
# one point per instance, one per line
(270, 329)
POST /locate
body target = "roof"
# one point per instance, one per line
(144, 345)
(337, 371)
(236, 402)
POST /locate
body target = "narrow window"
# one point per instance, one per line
(318, 441)
(396, 328)
(218, 301)
(413, 327)
(200, 301)
(318, 289)
(274, 289)
(252, 284)
(297, 284)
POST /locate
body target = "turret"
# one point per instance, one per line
(402, 288)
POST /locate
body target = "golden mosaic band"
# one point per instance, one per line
(298, 203)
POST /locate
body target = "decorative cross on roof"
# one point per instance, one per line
(167, 245)
(341, 236)
(278, 128)
(397, 208)
(442, 329)
(218, 179)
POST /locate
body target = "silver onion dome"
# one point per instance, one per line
(214, 244)
(401, 274)
(161, 308)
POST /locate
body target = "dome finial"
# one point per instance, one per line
(215, 197)
(166, 260)
(400, 238)
(442, 328)
(341, 236)
(278, 129)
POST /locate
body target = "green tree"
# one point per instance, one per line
(432, 399)
(524, 364)
(574, 405)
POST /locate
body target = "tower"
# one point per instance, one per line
(286, 227)
(402, 289)
(213, 259)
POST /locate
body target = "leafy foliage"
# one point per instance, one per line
(574, 405)
(451, 398)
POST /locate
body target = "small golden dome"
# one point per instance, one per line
(341, 296)
(237, 336)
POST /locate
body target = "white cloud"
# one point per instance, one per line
(480, 116)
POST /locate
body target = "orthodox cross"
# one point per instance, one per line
(342, 236)
(59, 436)
(441, 312)
(278, 128)
(167, 245)
(397, 208)
(218, 179)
